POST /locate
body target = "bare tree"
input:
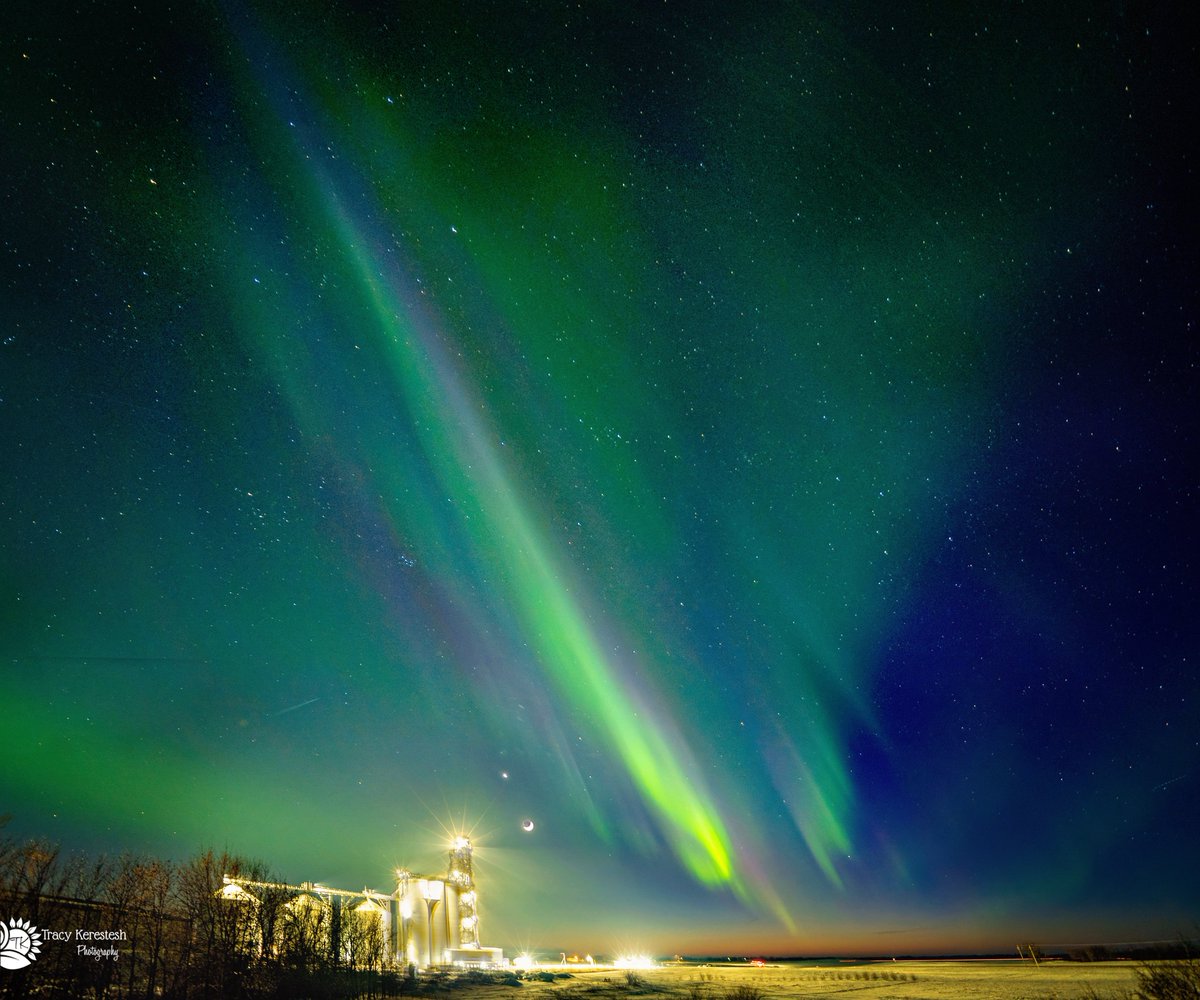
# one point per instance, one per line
(306, 932)
(223, 940)
(363, 937)
(32, 885)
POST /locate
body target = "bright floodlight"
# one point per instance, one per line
(634, 962)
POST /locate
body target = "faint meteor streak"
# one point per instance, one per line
(284, 711)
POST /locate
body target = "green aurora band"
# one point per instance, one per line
(507, 541)
(448, 297)
(533, 291)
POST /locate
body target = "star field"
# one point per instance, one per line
(738, 463)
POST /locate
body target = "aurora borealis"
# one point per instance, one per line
(754, 443)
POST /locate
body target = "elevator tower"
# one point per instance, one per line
(461, 875)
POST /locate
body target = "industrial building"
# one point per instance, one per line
(427, 921)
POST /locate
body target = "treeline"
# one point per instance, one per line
(180, 934)
(1152, 951)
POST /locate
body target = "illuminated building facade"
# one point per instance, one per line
(427, 921)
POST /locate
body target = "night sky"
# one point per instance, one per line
(754, 442)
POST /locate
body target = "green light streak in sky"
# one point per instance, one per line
(540, 292)
(506, 538)
(513, 553)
